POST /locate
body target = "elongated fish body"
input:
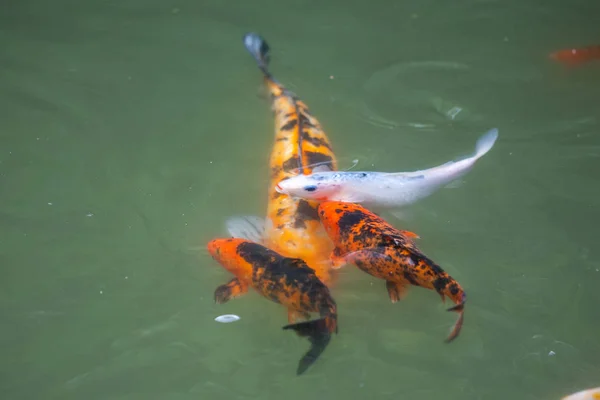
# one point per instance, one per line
(283, 280)
(382, 189)
(377, 248)
(292, 226)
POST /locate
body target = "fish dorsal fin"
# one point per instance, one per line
(410, 234)
(401, 238)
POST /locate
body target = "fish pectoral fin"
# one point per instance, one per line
(296, 315)
(336, 259)
(230, 290)
(454, 184)
(369, 256)
(396, 290)
(248, 227)
(410, 234)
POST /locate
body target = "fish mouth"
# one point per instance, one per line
(278, 188)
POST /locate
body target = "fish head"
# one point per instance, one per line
(227, 253)
(317, 186)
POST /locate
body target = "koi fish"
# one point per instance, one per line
(589, 394)
(577, 56)
(377, 248)
(292, 226)
(287, 281)
(383, 189)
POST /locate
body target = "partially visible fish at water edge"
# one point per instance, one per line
(589, 394)
(577, 56)
(292, 226)
(287, 281)
(377, 248)
(383, 189)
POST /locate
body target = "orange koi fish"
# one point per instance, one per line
(577, 56)
(287, 281)
(368, 241)
(292, 226)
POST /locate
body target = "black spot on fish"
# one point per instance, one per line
(304, 120)
(313, 158)
(410, 278)
(307, 211)
(316, 141)
(304, 212)
(453, 288)
(337, 211)
(275, 195)
(349, 219)
(275, 170)
(280, 212)
(440, 284)
(291, 124)
(291, 163)
(299, 223)
(282, 139)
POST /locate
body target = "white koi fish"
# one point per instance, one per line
(383, 189)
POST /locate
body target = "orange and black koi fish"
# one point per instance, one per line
(373, 245)
(287, 281)
(577, 56)
(292, 226)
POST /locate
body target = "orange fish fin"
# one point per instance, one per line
(318, 335)
(410, 234)
(396, 290)
(295, 315)
(230, 290)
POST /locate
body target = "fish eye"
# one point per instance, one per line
(310, 188)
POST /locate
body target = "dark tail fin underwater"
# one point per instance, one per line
(260, 51)
(318, 335)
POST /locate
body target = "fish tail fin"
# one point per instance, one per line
(459, 298)
(260, 51)
(486, 142)
(318, 333)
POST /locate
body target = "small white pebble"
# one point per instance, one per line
(101, 292)
(210, 162)
(126, 277)
(89, 215)
(227, 318)
(551, 353)
(49, 204)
